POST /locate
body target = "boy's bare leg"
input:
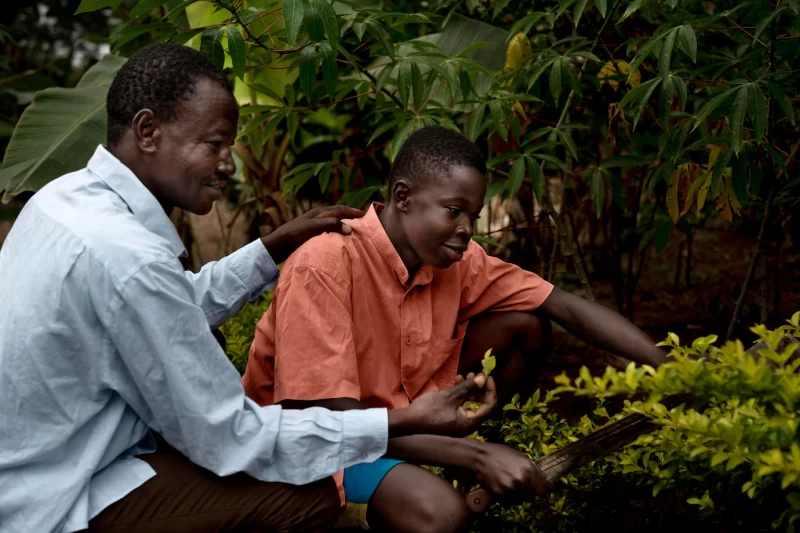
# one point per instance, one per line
(411, 499)
(184, 498)
(520, 341)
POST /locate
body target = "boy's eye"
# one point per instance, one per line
(454, 211)
(216, 144)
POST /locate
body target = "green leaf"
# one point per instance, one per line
(330, 70)
(93, 5)
(475, 122)
(737, 118)
(308, 70)
(314, 21)
(404, 82)
(359, 197)
(662, 236)
(397, 143)
(569, 144)
(516, 176)
(293, 12)
(383, 128)
(482, 239)
(325, 177)
(680, 86)
(597, 191)
(236, 50)
(58, 132)
(498, 119)
(794, 500)
(764, 23)
(537, 178)
(646, 98)
(602, 7)
(211, 46)
(555, 80)
(330, 23)
(711, 106)
(758, 110)
(587, 55)
(666, 54)
(292, 120)
(129, 33)
(689, 41)
(632, 8)
(782, 100)
(580, 6)
(417, 86)
(644, 52)
(382, 37)
(144, 7)
(464, 83)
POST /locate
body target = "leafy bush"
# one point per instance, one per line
(727, 459)
(240, 330)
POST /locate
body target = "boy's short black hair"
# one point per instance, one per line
(157, 77)
(431, 151)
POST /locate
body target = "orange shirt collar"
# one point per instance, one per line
(380, 240)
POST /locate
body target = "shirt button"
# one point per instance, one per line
(402, 273)
(408, 341)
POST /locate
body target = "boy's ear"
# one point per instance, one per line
(147, 130)
(400, 193)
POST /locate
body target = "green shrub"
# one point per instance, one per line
(726, 460)
(241, 328)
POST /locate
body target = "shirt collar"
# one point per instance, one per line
(380, 240)
(139, 199)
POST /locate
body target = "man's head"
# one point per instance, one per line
(172, 120)
(436, 190)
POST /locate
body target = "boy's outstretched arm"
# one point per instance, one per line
(601, 327)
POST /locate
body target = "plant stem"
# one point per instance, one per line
(737, 311)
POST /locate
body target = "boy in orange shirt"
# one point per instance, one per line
(403, 306)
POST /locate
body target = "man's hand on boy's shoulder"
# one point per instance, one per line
(289, 237)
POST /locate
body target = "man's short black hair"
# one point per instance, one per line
(157, 77)
(431, 151)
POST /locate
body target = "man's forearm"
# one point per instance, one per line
(432, 450)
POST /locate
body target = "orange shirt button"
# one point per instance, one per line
(408, 341)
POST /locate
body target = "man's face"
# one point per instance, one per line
(193, 159)
(441, 213)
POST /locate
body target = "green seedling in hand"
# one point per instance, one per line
(489, 362)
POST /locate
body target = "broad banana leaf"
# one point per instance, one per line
(58, 132)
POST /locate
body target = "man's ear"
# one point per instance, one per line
(147, 129)
(401, 190)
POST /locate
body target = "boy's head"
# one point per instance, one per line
(172, 120)
(436, 190)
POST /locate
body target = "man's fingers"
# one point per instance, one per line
(339, 211)
(330, 225)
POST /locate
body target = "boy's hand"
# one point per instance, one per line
(501, 469)
(286, 239)
(443, 412)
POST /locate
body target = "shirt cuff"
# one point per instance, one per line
(256, 268)
(366, 435)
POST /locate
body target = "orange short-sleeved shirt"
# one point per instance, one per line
(345, 321)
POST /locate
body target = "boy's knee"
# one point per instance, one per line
(537, 331)
(443, 514)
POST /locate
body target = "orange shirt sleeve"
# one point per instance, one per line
(491, 284)
(315, 355)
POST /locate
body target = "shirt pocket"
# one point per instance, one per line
(444, 355)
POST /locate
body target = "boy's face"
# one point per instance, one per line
(440, 215)
(192, 160)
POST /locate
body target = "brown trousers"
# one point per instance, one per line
(185, 498)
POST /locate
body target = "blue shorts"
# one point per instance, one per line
(362, 480)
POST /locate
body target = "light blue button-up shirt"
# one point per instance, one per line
(103, 335)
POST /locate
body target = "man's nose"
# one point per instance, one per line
(226, 164)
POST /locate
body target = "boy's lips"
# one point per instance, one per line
(454, 252)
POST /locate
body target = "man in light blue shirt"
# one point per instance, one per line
(106, 340)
